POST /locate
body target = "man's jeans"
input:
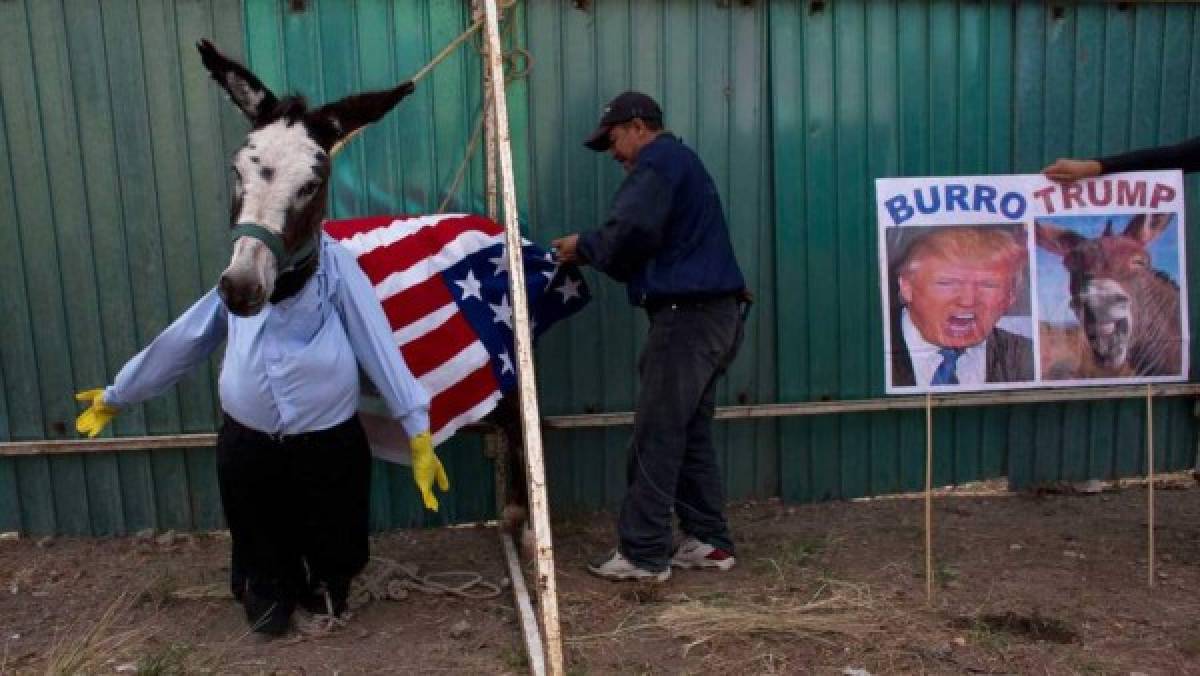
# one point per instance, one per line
(672, 463)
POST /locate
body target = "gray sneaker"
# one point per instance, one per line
(692, 553)
(617, 567)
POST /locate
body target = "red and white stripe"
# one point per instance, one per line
(404, 258)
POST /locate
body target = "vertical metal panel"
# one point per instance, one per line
(951, 88)
(706, 63)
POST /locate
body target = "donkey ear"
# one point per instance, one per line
(340, 119)
(243, 87)
(1056, 240)
(1145, 227)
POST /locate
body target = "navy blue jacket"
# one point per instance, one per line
(665, 236)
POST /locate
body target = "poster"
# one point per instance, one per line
(1011, 282)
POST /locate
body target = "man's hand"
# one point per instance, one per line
(566, 249)
(93, 421)
(426, 469)
(1068, 170)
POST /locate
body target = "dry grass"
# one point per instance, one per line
(100, 644)
(835, 610)
(120, 639)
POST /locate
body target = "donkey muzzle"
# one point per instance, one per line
(242, 295)
(1105, 311)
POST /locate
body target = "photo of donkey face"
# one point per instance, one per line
(280, 180)
(1128, 312)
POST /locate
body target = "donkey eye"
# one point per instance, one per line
(1138, 261)
(308, 189)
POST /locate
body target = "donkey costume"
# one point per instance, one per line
(299, 318)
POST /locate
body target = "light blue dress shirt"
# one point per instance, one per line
(293, 367)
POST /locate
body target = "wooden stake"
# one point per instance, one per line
(1150, 484)
(928, 498)
(526, 383)
(529, 625)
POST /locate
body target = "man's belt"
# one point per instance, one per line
(690, 301)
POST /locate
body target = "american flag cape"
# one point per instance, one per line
(443, 283)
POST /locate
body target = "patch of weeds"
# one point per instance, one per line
(789, 554)
(168, 660)
(945, 575)
(716, 599)
(158, 591)
(514, 659)
(1190, 645)
(1089, 665)
(644, 592)
(985, 636)
(1034, 627)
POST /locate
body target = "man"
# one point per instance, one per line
(667, 240)
(954, 284)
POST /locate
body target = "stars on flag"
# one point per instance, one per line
(569, 289)
(501, 263)
(471, 287)
(502, 313)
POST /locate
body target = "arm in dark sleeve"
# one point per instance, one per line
(634, 229)
(1185, 156)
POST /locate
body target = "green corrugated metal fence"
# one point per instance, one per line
(868, 89)
(113, 206)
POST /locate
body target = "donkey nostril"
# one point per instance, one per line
(224, 286)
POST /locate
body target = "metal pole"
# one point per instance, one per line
(1150, 484)
(928, 498)
(526, 383)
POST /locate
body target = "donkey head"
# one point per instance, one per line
(280, 180)
(1116, 294)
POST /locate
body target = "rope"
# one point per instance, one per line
(437, 59)
(390, 580)
(384, 580)
(526, 61)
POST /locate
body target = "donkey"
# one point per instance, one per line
(281, 180)
(279, 200)
(1128, 311)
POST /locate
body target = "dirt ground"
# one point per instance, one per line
(1053, 582)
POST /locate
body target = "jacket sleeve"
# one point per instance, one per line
(635, 227)
(374, 347)
(182, 345)
(1185, 156)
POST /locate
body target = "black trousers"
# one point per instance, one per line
(672, 463)
(297, 509)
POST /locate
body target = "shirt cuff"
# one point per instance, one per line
(111, 398)
(415, 423)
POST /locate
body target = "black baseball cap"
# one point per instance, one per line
(622, 109)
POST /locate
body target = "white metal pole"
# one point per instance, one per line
(526, 383)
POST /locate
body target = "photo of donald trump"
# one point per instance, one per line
(951, 288)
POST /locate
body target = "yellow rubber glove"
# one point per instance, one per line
(93, 421)
(426, 468)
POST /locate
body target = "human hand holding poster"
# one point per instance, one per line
(1006, 282)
